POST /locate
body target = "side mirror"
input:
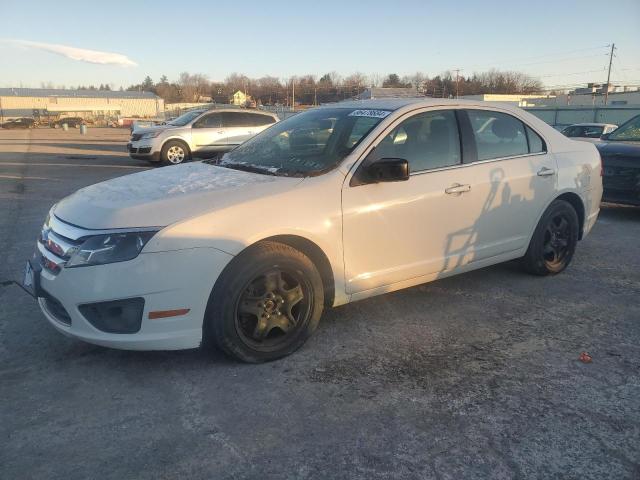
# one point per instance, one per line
(383, 170)
(605, 136)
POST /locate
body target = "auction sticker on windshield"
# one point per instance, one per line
(370, 113)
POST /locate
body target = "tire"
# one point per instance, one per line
(174, 152)
(265, 305)
(554, 240)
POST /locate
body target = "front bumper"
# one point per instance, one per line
(175, 280)
(143, 150)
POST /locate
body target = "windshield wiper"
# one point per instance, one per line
(245, 167)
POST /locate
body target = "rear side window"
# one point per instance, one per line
(536, 144)
(497, 134)
(234, 119)
(258, 120)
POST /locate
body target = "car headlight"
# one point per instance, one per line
(109, 248)
(151, 134)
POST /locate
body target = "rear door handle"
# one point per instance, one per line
(457, 189)
(546, 172)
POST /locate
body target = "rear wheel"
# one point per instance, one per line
(265, 305)
(174, 153)
(554, 240)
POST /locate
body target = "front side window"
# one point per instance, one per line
(629, 131)
(427, 141)
(305, 144)
(497, 134)
(212, 120)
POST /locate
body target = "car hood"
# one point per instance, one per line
(607, 148)
(154, 128)
(162, 196)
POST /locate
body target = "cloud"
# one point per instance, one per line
(80, 54)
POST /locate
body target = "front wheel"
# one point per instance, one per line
(174, 153)
(265, 305)
(554, 240)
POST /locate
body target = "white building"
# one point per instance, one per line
(516, 99)
(28, 102)
(628, 99)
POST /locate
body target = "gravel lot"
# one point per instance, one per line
(475, 376)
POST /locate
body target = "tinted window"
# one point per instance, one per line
(427, 140)
(536, 144)
(234, 119)
(497, 134)
(259, 120)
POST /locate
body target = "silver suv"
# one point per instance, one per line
(198, 133)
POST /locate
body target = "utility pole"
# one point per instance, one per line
(606, 91)
(457, 70)
(293, 94)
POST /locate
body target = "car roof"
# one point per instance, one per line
(241, 110)
(398, 103)
(592, 125)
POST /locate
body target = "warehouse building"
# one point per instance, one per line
(41, 102)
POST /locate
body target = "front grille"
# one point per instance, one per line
(133, 150)
(144, 150)
(60, 246)
(136, 136)
(55, 308)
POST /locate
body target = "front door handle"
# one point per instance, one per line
(457, 189)
(546, 172)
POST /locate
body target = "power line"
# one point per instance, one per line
(572, 73)
(539, 56)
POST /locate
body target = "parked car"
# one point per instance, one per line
(19, 123)
(198, 133)
(620, 152)
(589, 132)
(72, 122)
(332, 205)
(140, 124)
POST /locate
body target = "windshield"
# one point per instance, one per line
(306, 144)
(629, 131)
(185, 118)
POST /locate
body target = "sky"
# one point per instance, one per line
(120, 42)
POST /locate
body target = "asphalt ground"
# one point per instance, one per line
(475, 376)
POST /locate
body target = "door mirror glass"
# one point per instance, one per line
(387, 170)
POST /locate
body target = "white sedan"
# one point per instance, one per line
(588, 132)
(330, 206)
